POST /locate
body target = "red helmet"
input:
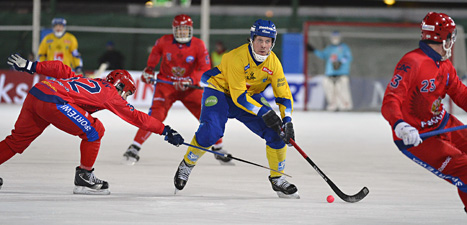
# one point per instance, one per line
(182, 27)
(438, 27)
(122, 80)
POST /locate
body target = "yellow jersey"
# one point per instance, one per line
(240, 76)
(64, 49)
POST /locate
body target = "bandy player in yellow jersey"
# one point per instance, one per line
(234, 89)
(61, 45)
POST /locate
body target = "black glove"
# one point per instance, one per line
(21, 64)
(273, 121)
(287, 133)
(310, 47)
(79, 70)
(172, 136)
(336, 65)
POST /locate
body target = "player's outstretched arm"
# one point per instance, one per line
(21, 64)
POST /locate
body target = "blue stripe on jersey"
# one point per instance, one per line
(244, 102)
(285, 102)
(447, 80)
(455, 180)
(208, 74)
(45, 97)
(80, 120)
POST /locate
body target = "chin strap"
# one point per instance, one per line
(259, 58)
(59, 34)
(448, 50)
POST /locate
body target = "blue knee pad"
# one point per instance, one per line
(207, 134)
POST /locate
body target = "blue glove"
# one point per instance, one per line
(21, 64)
(172, 136)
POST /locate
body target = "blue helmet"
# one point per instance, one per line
(58, 20)
(263, 28)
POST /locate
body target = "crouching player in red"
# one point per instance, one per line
(67, 103)
(412, 104)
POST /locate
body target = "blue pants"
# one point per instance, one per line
(217, 107)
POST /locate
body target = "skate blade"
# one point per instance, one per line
(291, 196)
(176, 191)
(129, 161)
(80, 190)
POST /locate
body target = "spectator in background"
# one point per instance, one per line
(112, 57)
(336, 85)
(61, 45)
(216, 56)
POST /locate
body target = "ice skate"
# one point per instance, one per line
(181, 176)
(130, 157)
(283, 188)
(88, 184)
(1, 183)
(222, 159)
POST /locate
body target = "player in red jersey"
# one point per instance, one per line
(67, 103)
(184, 60)
(412, 104)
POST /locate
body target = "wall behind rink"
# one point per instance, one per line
(367, 93)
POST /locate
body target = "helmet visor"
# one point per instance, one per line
(183, 33)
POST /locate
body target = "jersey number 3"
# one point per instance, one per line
(395, 81)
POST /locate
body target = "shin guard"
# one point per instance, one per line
(193, 154)
(276, 159)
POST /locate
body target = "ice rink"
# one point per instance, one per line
(353, 149)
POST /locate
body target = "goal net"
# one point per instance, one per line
(376, 49)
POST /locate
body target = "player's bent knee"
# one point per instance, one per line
(208, 135)
(95, 132)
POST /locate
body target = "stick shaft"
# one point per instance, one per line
(438, 132)
(172, 83)
(238, 159)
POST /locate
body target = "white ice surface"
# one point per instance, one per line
(353, 149)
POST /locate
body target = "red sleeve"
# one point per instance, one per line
(155, 55)
(396, 92)
(457, 90)
(203, 62)
(127, 112)
(55, 69)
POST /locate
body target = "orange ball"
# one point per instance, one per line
(330, 198)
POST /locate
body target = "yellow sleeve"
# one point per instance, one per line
(237, 85)
(281, 90)
(42, 52)
(76, 56)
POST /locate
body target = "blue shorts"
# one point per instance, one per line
(217, 107)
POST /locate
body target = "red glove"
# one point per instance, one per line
(148, 75)
(182, 85)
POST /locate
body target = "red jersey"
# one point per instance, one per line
(90, 94)
(421, 80)
(179, 60)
